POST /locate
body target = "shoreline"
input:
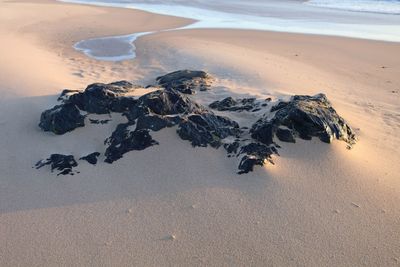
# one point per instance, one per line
(320, 205)
(92, 47)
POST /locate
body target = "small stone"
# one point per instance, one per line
(91, 158)
(63, 163)
(170, 237)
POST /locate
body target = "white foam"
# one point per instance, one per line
(374, 6)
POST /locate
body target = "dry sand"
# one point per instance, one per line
(320, 205)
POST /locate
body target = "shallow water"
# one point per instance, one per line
(310, 17)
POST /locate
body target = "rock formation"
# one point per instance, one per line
(301, 116)
(305, 117)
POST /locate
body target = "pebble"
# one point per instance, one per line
(170, 237)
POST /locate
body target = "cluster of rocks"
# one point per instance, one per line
(171, 106)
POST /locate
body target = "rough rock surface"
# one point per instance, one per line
(185, 81)
(91, 158)
(102, 98)
(166, 108)
(207, 129)
(59, 162)
(61, 119)
(302, 116)
(241, 104)
(255, 154)
(124, 140)
(306, 117)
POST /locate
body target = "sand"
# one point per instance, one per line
(320, 205)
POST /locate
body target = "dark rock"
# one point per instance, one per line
(285, 135)
(243, 104)
(207, 129)
(279, 106)
(255, 154)
(62, 163)
(156, 122)
(305, 116)
(66, 93)
(124, 140)
(91, 158)
(163, 103)
(302, 116)
(103, 98)
(232, 148)
(185, 81)
(61, 119)
(263, 131)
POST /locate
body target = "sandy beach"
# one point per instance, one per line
(174, 205)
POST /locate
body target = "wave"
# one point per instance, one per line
(372, 6)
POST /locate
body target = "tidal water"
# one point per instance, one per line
(366, 19)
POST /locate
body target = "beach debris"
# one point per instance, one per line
(61, 119)
(252, 144)
(241, 104)
(186, 81)
(59, 162)
(91, 158)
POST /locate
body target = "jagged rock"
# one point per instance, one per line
(62, 163)
(305, 116)
(207, 129)
(66, 93)
(123, 140)
(285, 135)
(61, 119)
(185, 81)
(163, 103)
(103, 98)
(232, 148)
(255, 154)
(243, 104)
(91, 158)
